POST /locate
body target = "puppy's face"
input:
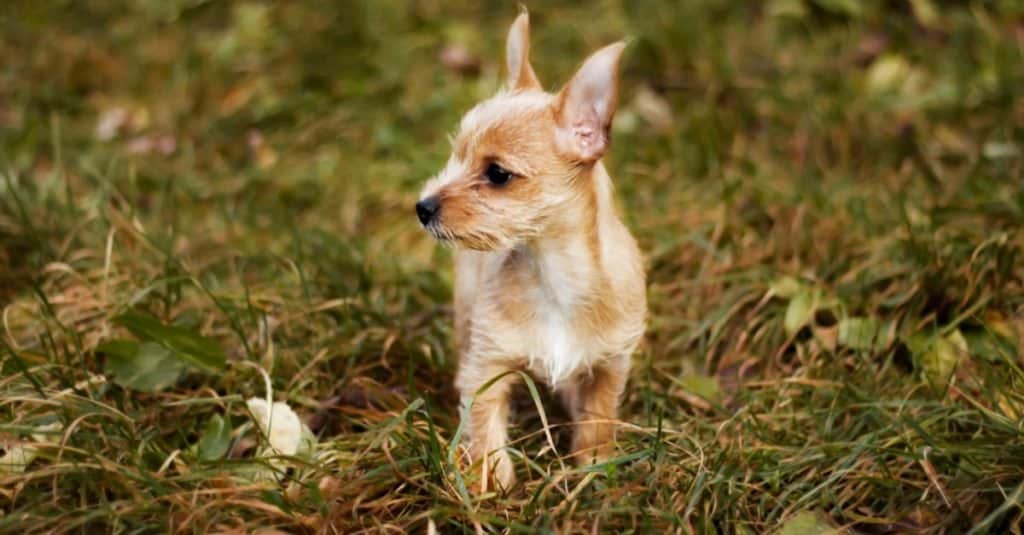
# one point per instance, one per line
(517, 157)
(504, 177)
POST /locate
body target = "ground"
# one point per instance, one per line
(205, 202)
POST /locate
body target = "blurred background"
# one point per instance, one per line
(828, 193)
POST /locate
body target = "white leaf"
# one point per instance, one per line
(19, 456)
(279, 424)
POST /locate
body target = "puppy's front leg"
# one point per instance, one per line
(593, 403)
(488, 420)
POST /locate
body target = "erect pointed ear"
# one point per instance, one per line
(517, 54)
(585, 106)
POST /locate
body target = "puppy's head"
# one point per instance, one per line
(521, 157)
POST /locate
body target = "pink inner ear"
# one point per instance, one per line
(587, 103)
(586, 133)
(585, 136)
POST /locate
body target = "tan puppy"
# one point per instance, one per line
(548, 279)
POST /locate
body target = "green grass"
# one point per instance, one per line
(831, 209)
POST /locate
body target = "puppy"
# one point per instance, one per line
(548, 280)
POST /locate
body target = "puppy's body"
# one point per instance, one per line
(548, 279)
(559, 304)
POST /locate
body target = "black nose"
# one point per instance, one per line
(427, 209)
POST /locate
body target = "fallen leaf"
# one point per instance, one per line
(938, 356)
(285, 432)
(16, 458)
(992, 345)
(184, 343)
(146, 366)
(785, 287)
(278, 423)
(858, 332)
(799, 311)
(703, 386)
(216, 438)
(19, 455)
(806, 523)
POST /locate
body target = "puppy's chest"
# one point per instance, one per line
(555, 348)
(556, 337)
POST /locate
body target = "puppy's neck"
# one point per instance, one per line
(569, 256)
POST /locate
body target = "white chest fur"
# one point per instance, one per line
(555, 348)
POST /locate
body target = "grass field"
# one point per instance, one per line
(202, 202)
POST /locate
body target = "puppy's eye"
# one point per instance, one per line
(497, 174)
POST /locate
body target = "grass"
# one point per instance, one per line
(829, 195)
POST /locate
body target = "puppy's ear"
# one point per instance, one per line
(585, 106)
(517, 54)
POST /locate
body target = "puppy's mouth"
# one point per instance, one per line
(474, 241)
(441, 233)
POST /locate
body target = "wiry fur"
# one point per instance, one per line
(548, 279)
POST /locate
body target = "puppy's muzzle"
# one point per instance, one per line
(428, 209)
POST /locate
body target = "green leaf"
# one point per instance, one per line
(806, 523)
(704, 386)
(216, 438)
(937, 356)
(148, 366)
(858, 332)
(799, 312)
(123, 349)
(785, 287)
(196, 349)
(996, 341)
(990, 347)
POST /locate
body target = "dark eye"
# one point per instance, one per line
(497, 174)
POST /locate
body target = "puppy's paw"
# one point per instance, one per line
(586, 454)
(503, 472)
(497, 473)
